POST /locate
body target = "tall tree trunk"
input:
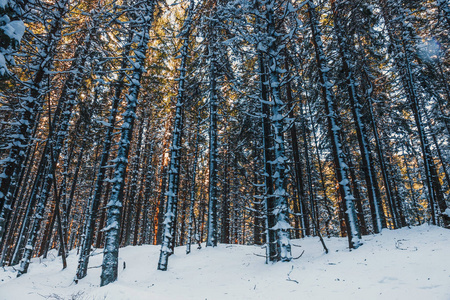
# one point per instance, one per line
(368, 90)
(268, 157)
(175, 150)
(411, 187)
(10, 201)
(98, 189)
(143, 16)
(372, 185)
(6, 244)
(149, 179)
(213, 131)
(327, 201)
(358, 199)
(301, 204)
(353, 231)
(225, 212)
(280, 210)
(134, 190)
(100, 235)
(193, 191)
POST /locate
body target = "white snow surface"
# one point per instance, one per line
(396, 264)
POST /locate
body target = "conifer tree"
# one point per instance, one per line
(141, 17)
(175, 150)
(340, 166)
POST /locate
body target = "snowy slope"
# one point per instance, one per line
(401, 264)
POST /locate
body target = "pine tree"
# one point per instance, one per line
(140, 22)
(341, 168)
(347, 66)
(175, 150)
(213, 53)
(98, 189)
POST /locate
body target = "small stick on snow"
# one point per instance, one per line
(289, 278)
(94, 267)
(299, 255)
(259, 255)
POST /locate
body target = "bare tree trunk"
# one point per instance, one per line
(301, 203)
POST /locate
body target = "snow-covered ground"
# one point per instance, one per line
(399, 264)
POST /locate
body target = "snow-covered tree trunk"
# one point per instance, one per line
(149, 183)
(267, 157)
(347, 67)
(213, 146)
(312, 198)
(412, 192)
(31, 104)
(368, 90)
(13, 220)
(192, 190)
(356, 188)
(143, 13)
(280, 211)
(41, 173)
(11, 200)
(175, 150)
(320, 167)
(31, 203)
(301, 203)
(133, 203)
(225, 205)
(159, 216)
(145, 178)
(67, 202)
(98, 189)
(341, 168)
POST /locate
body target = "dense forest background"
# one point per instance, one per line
(252, 122)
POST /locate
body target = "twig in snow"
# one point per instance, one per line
(398, 244)
(299, 255)
(95, 267)
(259, 255)
(289, 278)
